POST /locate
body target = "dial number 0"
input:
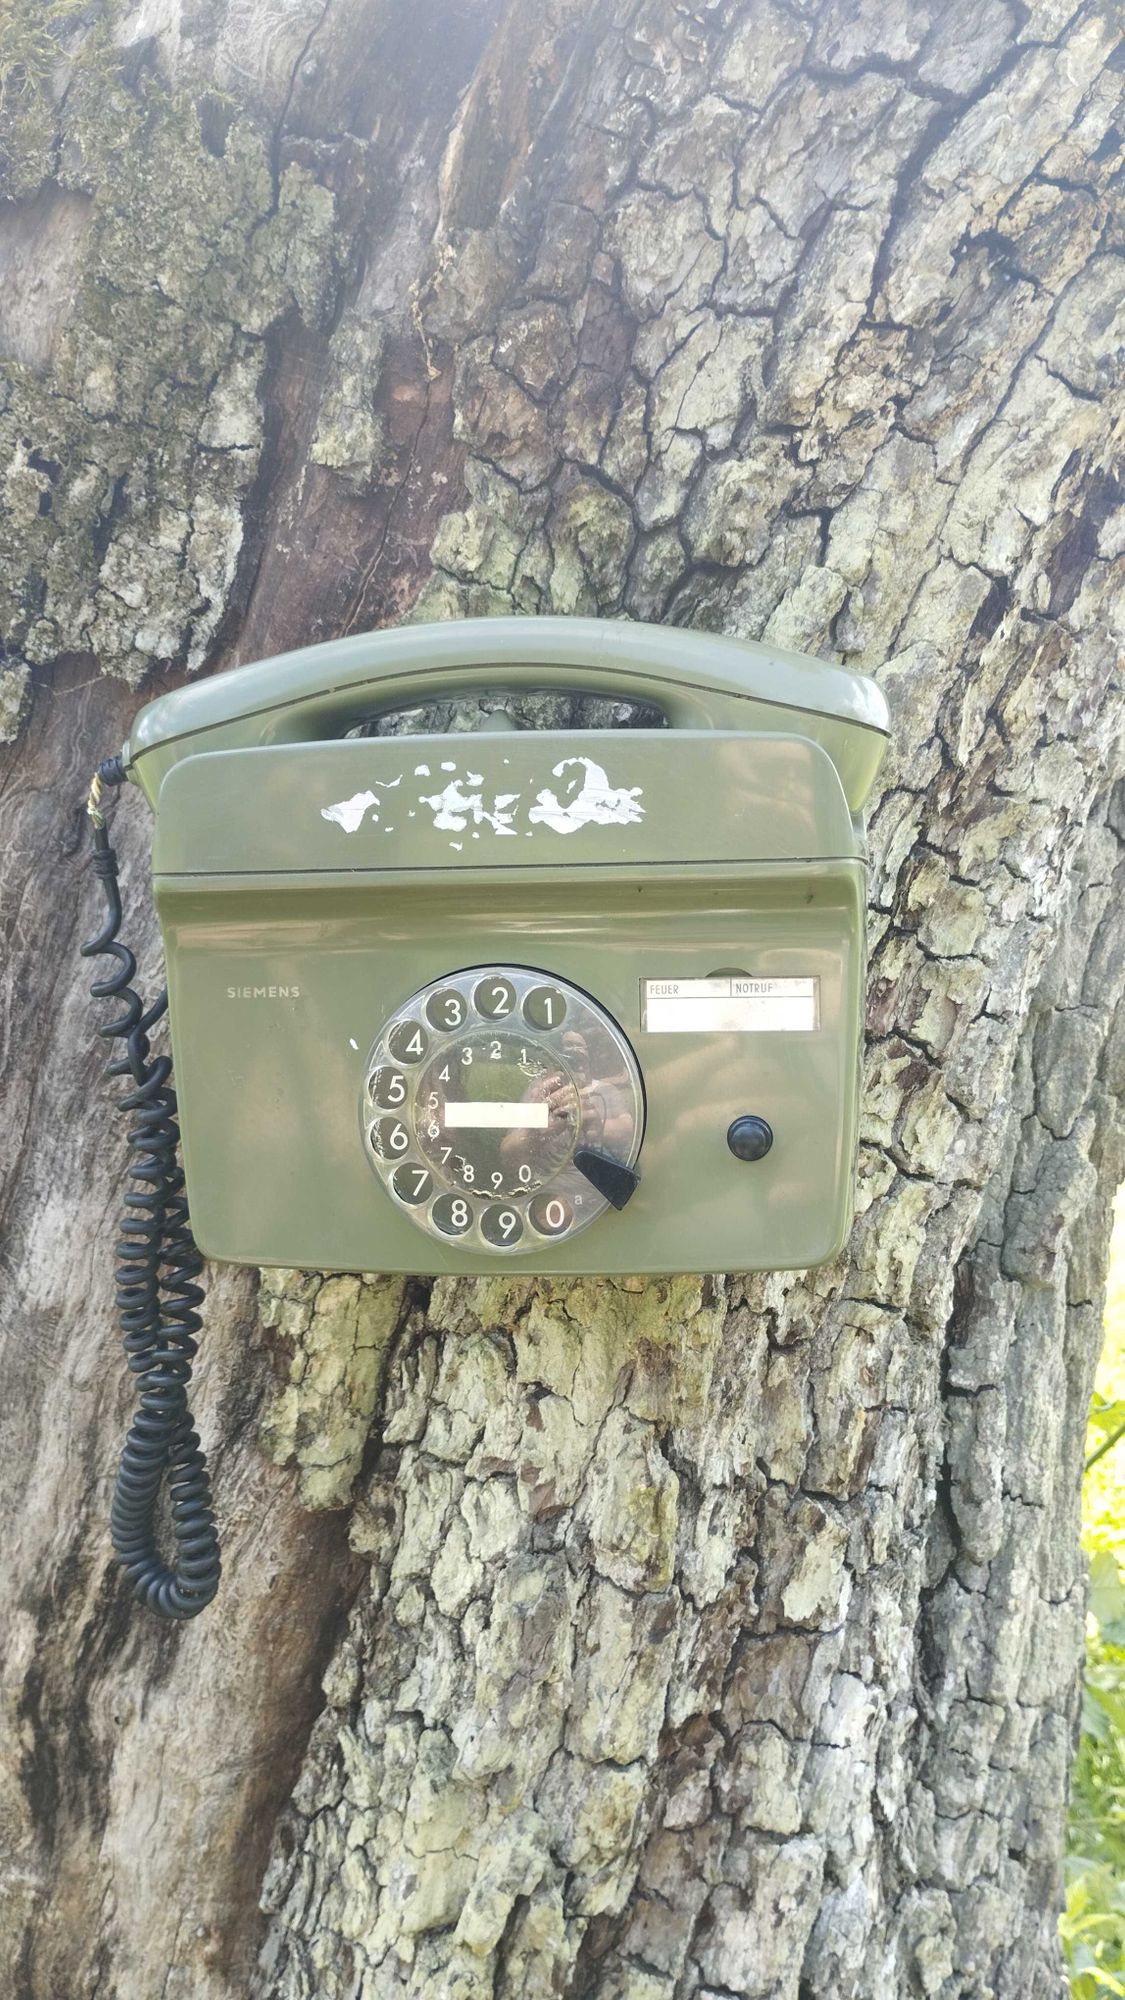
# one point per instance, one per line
(550, 1215)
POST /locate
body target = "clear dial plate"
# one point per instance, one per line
(478, 1093)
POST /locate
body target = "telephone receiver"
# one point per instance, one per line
(566, 1001)
(700, 682)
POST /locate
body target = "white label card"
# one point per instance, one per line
(730, 1005)
(464, 1117)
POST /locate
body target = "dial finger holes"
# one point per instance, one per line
(501, 1225)
(550, 1214)
(387, 1088)
(447, 1010)
(545, 1007)
(495, 997)
(390, 1138)
(451, 1214)
(478, 1093)
(412, 1184)
(408, 1041)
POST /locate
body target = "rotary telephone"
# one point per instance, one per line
(554, 1001)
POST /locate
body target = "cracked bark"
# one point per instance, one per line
(646, 1640)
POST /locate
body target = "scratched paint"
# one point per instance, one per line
(590, 800)
(454, 807)
(586, 797)
(351, 813)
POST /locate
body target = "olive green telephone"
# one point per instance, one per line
(550, 1001)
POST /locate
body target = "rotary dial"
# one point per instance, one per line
(503, 1109)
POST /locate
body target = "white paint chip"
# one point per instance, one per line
(350, 813)
(585, 798)
(455, 807)
(595, 802)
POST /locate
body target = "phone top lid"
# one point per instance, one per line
(541, 799)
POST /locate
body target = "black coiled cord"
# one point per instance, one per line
(157, 1296)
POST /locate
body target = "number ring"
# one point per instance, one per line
(478, 1092)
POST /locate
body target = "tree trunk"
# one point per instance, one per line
(639, 1639)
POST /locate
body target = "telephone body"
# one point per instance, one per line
(573, 1001)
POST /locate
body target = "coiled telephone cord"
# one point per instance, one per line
(157, 1296)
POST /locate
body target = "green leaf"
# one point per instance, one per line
(1105, 1416)
(1107, 1592)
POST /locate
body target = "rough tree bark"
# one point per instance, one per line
(640, 1639)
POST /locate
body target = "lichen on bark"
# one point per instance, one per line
(338, 1330)
(351, 437)
(131, 451)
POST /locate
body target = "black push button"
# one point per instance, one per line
(750, 1138)
(609, 1177)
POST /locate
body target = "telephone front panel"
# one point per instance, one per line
(555, 1001)
(570, 1001)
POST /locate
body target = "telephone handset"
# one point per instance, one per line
(564, 1001)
